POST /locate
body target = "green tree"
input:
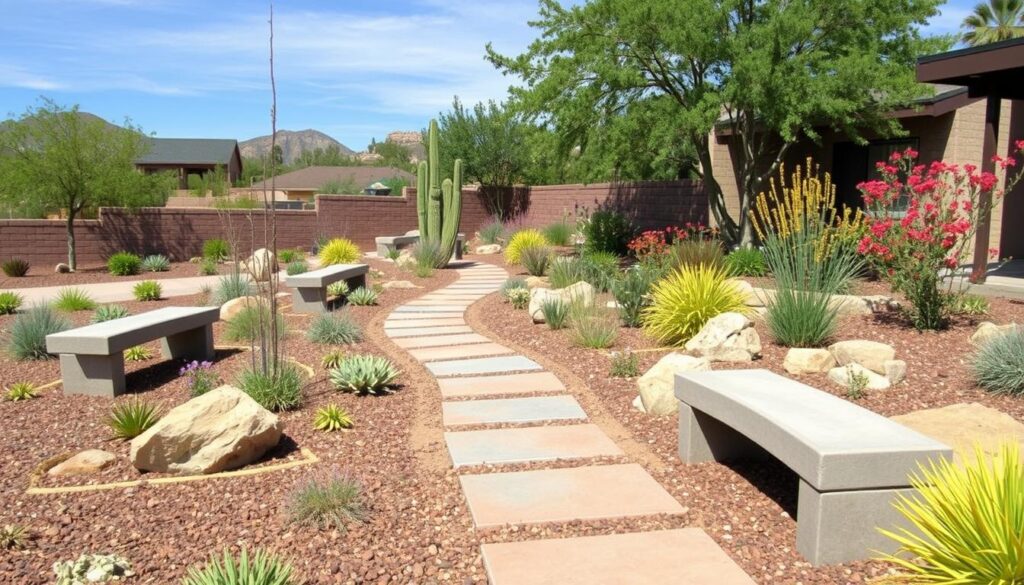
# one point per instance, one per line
(329, 156)
(492, 142)
(767, 72)
(58, 160)
(995, 20)
(393, 155)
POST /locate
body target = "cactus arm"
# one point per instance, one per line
(434, 219)
(421, 198)
(452, 211)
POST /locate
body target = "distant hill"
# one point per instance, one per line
(411, 140)
(293, 143)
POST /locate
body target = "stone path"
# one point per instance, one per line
(481, 382)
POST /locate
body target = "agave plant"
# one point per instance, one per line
(332, 418)
(262, 568)
(364, 374)
(130, 419)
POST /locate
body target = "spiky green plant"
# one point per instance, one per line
(231, 286)
(21, 391)
(510, 285)
(686, 299)
(296, 267)
(746, 262)
(593, 327)
(244, 327)
(363, 296)
(491, 233)
(968, 304)
(632, 292)
(364, 374)
(13, 537)
(331, 359)
(339, 251)
(131, 418)
(558, 233)
(334, 329)
(208, 267)
(73, 299)
(566, 271)
(332, 418)
(521, 240)
(15, 267)
(124, 264)
(216, 249)
(535, 259)
(276, 390)
(998, 365)
(438, 203)
(428, 255)
(289, 256)
(556, 312)
(147, 290)
(156, 263)
(27, 337)
(137, 353)
(337, 289)
(600, 269)
(109, 313)
(9, 302)
(329, 500)
(393, 254)
(262, 568)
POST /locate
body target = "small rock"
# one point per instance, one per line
(488, 249)
(801, 360)
(638, 404)
(89, 461)
(232, 308)
(398, 284)
(729, 337)
(850, 305)
(895, 371)
(870, 354)
(881, 303)
(844, 376)
(988, 330)
(62, 268)
(581, 292)
(657, 386)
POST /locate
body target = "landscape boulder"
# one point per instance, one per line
(581, 292)
(852, 374)
(657, 385)
(729, 337)
(870, 354)
(232, 308)
(220, 430)
(895, 371)
(803, 360)
(488, 249)
(260, 265)
(398, 284)
(533, 282)
(86, 462)
(964, 426)
(988, 330)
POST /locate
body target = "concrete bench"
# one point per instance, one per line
(310, 294)
(92, 357)
(852, 462)
(385, 244)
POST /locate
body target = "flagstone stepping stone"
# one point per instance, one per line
(564, 495)
(405, 316)
(438, 340)
(405, 324)
(524, 383)
(512, 410)
(457, 303)
(429, 309)
(521, 445)
(435, 297)
(449, 352)
(425, 331)
(492, 365)
(685, 556)
(456, 293)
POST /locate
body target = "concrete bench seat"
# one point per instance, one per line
(92, 357)
(852, 462)
(310, 294)
(385, 244)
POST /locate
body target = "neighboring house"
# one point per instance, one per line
(303, 184)
(975, 89)
(192, 156)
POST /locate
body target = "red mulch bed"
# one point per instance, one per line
(39, 275)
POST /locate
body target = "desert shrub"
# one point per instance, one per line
(147, 290)
(73, 299)
(13, 537)
(109, 313)
(510, 285)
(363, 296)
(277, 390)
(966, 521)
(245, 326)
(216, 250)
(262, 568)
(632, 293)
(592, 326)
(624, 364)
(393, 254)
(91, 568)
(746, 262)
(337, 289)
(296, 267)
(535, 259)
(331, 359)
(15, 267)
(491, 233)
(231, 286)
(608, 231)
(428, 255)
(137, 353)
(998, 365)
(334, 329)
(364, 374)
(558, 233)
(519, 298)
(600, 269)
(564, 272)
(9, 302)
(339, 251)
(21, 391)
(683, 301)
(556, 313)
(332, 418)
(124, 264)
(289, 256)
(27, 336)
(329, 500)
(131, 418)
(199, 377)
(522, 240)
(696, 253)
(156, 263)
(208, 267)
(968, 304)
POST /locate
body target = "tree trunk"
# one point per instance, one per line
(72, 259)
(716, 199)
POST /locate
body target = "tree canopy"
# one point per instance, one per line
(490, 140)
(995, 20)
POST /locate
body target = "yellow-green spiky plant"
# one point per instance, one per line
(968, 522)
(438, 203)
(683, 301)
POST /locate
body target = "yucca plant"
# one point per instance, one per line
(13, 536)
(339, 251)
(332, 418)
(998, 365)
(262, 568)
(15, 267)
(967, 522)
(686, 299)
(124, 264)
(556, 313)
(334, 329)
(535, 259)
(147, 290)
(156, 263)
(27, 337)
(362, 296)
(131, 418)
(137, 353)
(329, 500)
(10, 302)
(21, 391)
(331, 359)
(276, 390)
(522, 240)
(109, 313)
(364, 374)
(73, 299)
(593, 327)
(231, 286)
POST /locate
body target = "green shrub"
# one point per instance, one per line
(998, 365)
(10, 302)
(556, 313)
(328, 501)
(289, 256)
(521, 240)
(73, 299)
(608, 231)
(600, 269)
(147, 290)
(519, 298)
(364, 374)
(683, 301)
(393, 254)
(491, 233)
(337, 289)
(332, 418)
(696, 253)
(746, 262)
(968, 304)
(558, 233)
(593, 327)
(21, 391)
(564, 272)
(245, 326)
(296, 267)
(331, 359)
(109, 313)
(427, 254)
(262, 569)
(13, 537)
(535, 259)
(510, 285)
(208, 267)
(216, 250)
(137, 353)
(363, 296)
(131, 418)
(124, 264)
(90, 568)
(624, 364)
(339, 251)
(278, 390)
(632, 293)
(334, 329)
(231, 286)
(15, 267)
(156, 263)
(27, 337)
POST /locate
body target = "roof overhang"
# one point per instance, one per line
(996, 69)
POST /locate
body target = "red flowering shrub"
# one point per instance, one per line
(921, 222)
(654, 244)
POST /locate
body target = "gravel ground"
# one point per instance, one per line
(45, 276)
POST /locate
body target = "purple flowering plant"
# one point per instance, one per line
(200, 377)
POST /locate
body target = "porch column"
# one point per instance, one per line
(993, 104)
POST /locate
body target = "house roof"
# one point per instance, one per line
(189, 151)
(995, 69)
(313, 178)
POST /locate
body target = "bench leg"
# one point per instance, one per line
(96, 375)
(702, 438)
(194, 344)
(309, 300)
(356, 282)
(838, 527)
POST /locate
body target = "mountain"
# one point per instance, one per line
(292, 143)
(411, 140)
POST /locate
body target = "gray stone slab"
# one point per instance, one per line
(546, 443)
(511, 410)
(322, 277)
(117, 335)
(415, 316)
(523, 383)
(428, 309)
(428, 322)
(440, 340)
(427, 331)
(477, 366)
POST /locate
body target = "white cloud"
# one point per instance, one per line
(15, 76)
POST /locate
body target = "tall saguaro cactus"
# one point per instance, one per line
(438, 203)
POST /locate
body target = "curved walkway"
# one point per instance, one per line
(479, 381)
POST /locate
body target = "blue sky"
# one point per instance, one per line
(198, 68)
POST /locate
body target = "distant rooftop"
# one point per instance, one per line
(189, 151)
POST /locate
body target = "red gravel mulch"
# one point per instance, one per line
(45, 276)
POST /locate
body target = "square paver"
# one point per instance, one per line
(565, 495)
(405, 316)
(425, 331)
(478, 366)
(686, 556)
(512, 410)
(526, 444)
(448, 352)
(428, 322)
(525, 383)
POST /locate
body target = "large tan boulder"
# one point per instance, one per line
(232, 308)
(729, 337)
(398, 284)
(988, 330)
(86, 462)
(533, 282)
(488, 249)
(220, 430)
(870, 354)
(962, 426)
(260, 265)
(803, 360)
(657, 385)
(581, 292)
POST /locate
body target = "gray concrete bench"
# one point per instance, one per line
(310, 294)
(385, 244)
(852, 462)
(92, 357)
